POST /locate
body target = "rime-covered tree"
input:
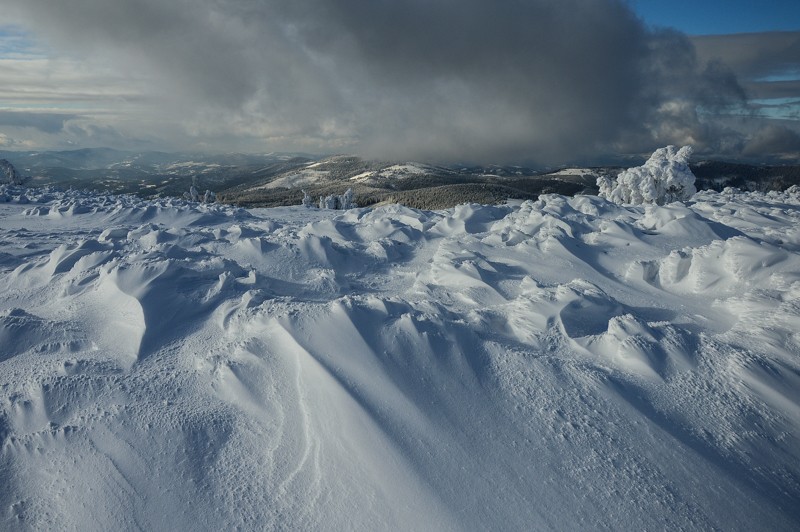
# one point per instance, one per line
(328, 202)
(664, 178)
(346, 200)
(308, 201)
(9, 174)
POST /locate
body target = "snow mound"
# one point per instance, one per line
(536, 366)
(664, 178)
(55, 204)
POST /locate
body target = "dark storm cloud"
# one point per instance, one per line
(501, 79)
(774, 140)
(753, 55)
(773, 89)
(768, 64)
(542, 80)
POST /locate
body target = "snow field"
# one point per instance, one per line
(558, 364)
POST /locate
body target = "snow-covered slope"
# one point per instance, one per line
(341, 168)
(296, 179)
(397, 171)
(560, 364)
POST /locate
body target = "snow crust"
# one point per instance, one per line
(566, 363)
(664, 178)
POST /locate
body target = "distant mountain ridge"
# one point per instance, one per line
(148, 173)
(274, 179)
(413, 184)
(716, 175)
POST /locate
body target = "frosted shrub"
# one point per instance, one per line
(328, 202)
(346, 200)
(9, 174)
(664, 178)
(308, 201)
(192, 195)
(332, 201)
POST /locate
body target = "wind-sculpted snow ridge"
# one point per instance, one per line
(566, 363)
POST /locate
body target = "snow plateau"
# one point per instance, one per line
(567, 363)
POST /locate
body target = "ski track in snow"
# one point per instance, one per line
(566, 363)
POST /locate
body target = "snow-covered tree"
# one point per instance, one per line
(209, 197)
(664, 178)
(9, 173)
(346, 200)
(192, 195)
(308, 201)
(328, 202)
(333, 201)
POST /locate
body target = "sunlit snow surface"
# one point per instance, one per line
(560, 364)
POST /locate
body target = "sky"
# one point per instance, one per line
(715, 17)
(535, 82)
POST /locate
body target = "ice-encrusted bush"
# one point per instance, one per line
(9, 174)
(664, 178)
(308, 201)
(346, 200)
(192, 195)
(328, 202)
(332, 201)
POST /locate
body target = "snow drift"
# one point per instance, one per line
(558, 364)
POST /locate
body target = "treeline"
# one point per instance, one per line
(716, 175)
(447, 196)
(445, 190)
(436, 196)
